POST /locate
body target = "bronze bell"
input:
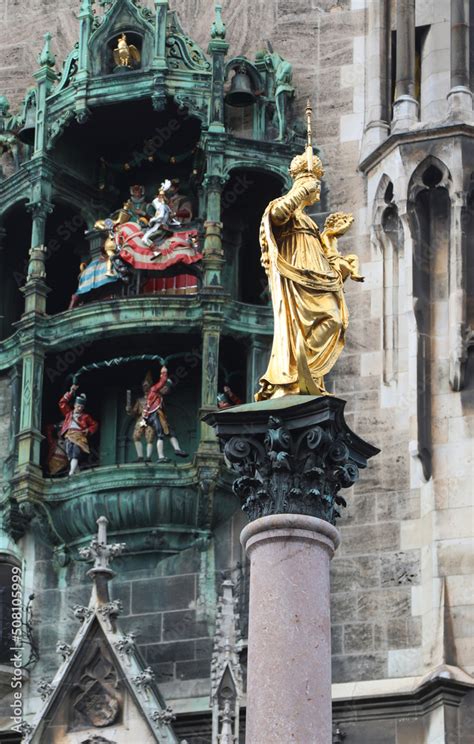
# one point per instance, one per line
(27, 132)
(240, 93)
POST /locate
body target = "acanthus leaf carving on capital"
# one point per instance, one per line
(214, 182)
(287, 473)
(40, 209)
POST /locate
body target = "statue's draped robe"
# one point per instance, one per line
(309, 307)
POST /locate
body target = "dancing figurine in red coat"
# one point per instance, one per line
(77, 427)
(154, 415)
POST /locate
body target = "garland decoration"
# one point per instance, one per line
(118, 361)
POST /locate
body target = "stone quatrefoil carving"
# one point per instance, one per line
(297, 472)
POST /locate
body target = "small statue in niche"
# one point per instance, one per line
(126, 55)
(139, 210)
(336, 225)
(140, 431)
(227, 399)
(284, 90)
(154, 415)
(76, 428)
(179, 204)
(164, 220)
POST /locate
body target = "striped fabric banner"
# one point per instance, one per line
(94, 276)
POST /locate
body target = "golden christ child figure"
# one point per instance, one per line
(306, 274)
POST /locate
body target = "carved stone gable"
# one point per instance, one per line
(96, 698)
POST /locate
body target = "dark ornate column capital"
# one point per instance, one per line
(293, 455)
(39, 210)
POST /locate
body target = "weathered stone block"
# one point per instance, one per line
(163, 672)
(174, 593)
(181, 625)
(403, 633)
(360, 667)
(360, 509)
(358, 637)
(336, 639)
(192, 669)
(400, 568)
(374, 538)
(383, 604)
(352, 573)
(158, 653)
(204, 648)
(147, 627)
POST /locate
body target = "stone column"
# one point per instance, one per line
(209, 378)
(293, 455)
(159, 64)
(289, 674)
(460, 95)
(405, 107)
(217, 48)
(29, 436)
(46, 78)
(161, 10)
(458, 328)
(378, 93)
(35, 290)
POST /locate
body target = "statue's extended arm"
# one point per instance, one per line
(285, 207)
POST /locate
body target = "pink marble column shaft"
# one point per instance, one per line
(289, 656)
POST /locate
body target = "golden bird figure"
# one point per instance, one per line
(126, 54)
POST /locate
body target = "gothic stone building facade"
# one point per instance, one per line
(390, 84)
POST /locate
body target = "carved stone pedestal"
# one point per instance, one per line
(293, 456)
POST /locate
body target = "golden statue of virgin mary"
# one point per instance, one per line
(306, 274)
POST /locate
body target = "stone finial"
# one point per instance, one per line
(218, 29)
(44, 689)
(99, 550)
(144, 680)
(163, 717)
(81, 613)
(64, 649)
(46, 57)
(292, 455)
(25, 729)
(111, 609)
(126, 645)
(226, 673)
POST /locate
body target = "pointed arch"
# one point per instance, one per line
(424, 177)
(387, 236)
